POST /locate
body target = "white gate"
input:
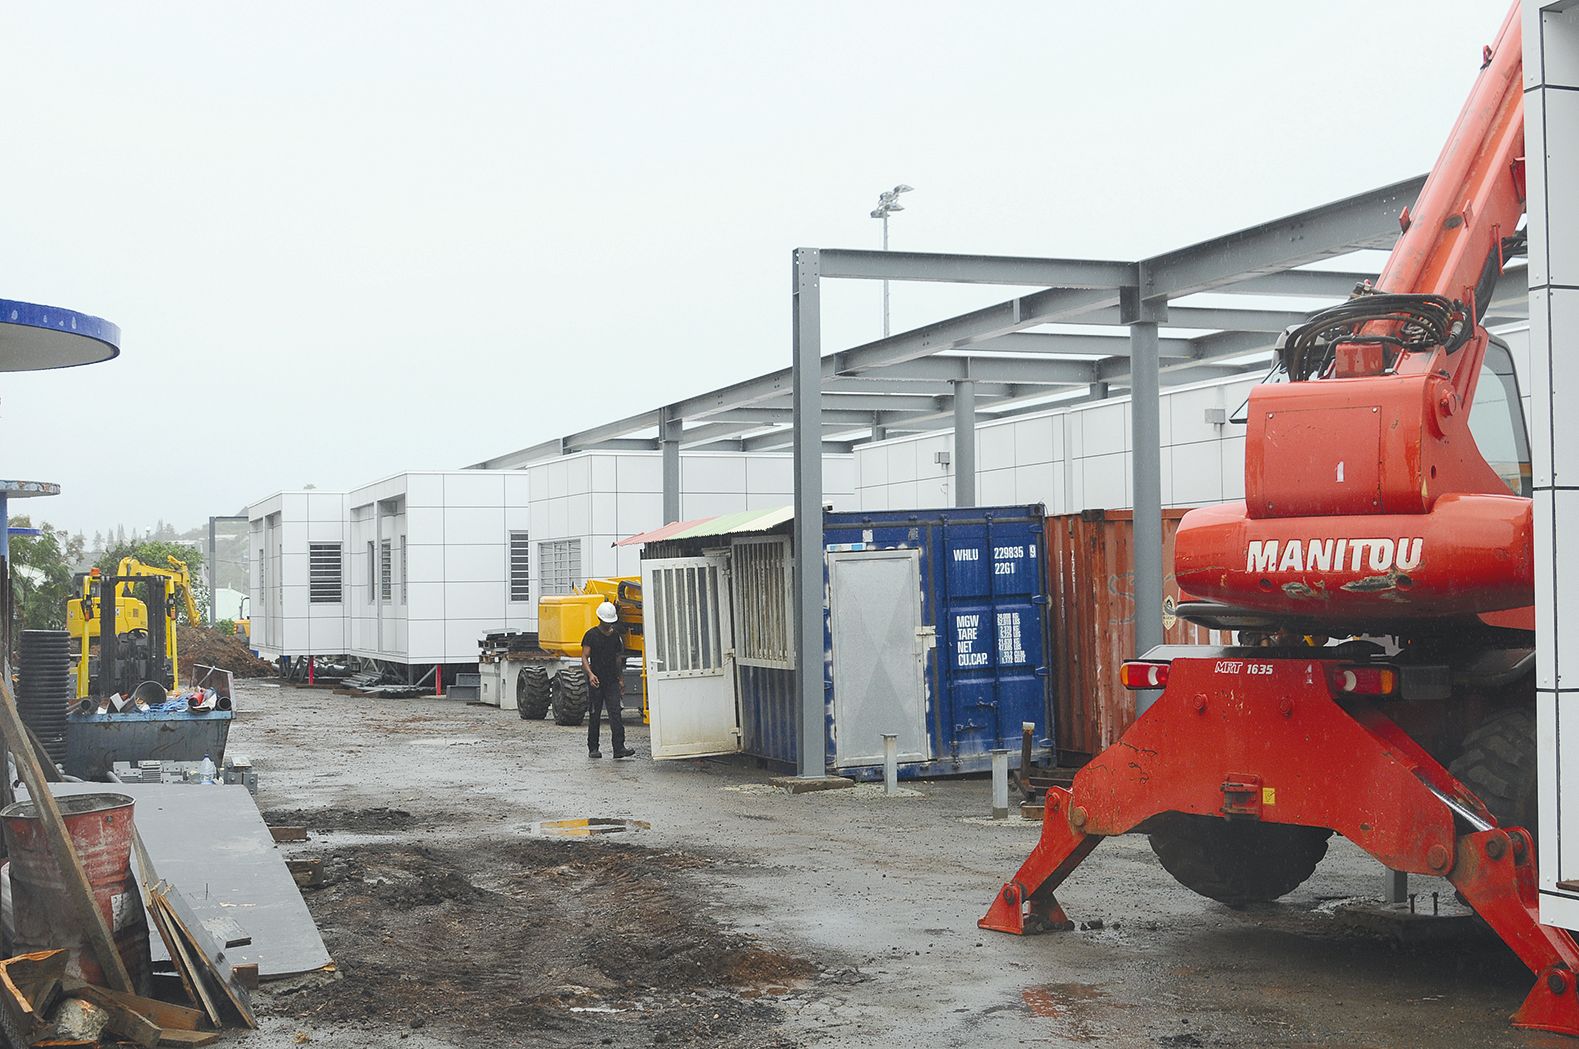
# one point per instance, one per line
(879, 655)
(690, 682)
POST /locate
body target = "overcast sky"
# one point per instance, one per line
(348, 239)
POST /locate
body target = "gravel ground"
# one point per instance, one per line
(747, 917)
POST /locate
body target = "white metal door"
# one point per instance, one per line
(690, 684)
(879, 655)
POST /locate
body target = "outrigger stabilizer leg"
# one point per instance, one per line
(1300, 759)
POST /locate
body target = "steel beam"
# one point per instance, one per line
(1207, 348)
(519, 458)
(1073, 344)
(976, 269)
(1205, 318)
(806, 566)
(1299, 284)
(1042, 307)
(767, 416)
(784, 437)
(965, 443)
(1365, 220)
(1026, 371)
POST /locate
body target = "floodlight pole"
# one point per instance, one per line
(887, 203)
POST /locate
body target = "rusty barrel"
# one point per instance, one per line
(100, 826)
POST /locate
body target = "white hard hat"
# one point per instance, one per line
(607, 612)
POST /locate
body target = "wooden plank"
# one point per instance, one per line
(166, 1015)
(288, 834)
(133, 1026)
(46, 763)
(182, 955)
(79, 894)
(246, 975)
(25, 985)
(182, 1038)
(308, 873)
(202, 947)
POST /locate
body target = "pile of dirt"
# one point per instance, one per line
(205, 645)
(539, 943)
(379, 819)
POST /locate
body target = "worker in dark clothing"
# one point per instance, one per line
(603, 658)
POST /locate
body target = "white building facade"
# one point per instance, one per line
(415, 568)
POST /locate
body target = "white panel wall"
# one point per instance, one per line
(601, 497)
(1069, 460)
(455, 585)
(284, 620)
(1551, 127)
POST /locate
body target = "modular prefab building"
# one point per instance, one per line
(935, 631)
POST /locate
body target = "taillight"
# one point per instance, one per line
(1143, 675)
(1362, 681)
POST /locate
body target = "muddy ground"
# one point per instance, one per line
(746, 917)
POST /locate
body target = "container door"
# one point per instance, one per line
(879, 655)
(690, 679)
(992, 634)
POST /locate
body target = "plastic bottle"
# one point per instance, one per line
(206, 770)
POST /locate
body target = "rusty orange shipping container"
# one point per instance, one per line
(1091, 585)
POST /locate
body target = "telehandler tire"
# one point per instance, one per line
(533, 693)
(1498, 764)
(570, 696)
(1237, 862)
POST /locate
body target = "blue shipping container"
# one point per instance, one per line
(980, 649)
(935, 630)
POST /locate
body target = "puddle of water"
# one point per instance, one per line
(585, 828)
(1059, 1000)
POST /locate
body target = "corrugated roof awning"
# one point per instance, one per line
(738, 523)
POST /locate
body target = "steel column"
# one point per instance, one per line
(669, 430)
(807, 404)
(376, 572)
(964, 443)
(1146, 469)
(213, 576)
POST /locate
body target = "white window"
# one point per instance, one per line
(520, 565)
(324, 573)
(403, 590)
(761, 578)
(682, 611)
(559, 564)
(372, 571)
(383, 570)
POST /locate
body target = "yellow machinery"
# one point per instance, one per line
(145, 648)
(244, 624)
(562, 621)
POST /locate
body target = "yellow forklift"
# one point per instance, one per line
(140, 599)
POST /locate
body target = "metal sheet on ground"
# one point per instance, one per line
(212, 844)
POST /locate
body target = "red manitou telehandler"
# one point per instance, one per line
(1372, 515)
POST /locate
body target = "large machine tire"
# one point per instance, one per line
(570, 696)
(1498, 764)
(533, 693)
(1237, 862)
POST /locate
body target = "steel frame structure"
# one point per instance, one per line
(1096, 329)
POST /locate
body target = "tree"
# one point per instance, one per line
(41, 575)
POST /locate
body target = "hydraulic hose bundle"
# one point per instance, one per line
(1399, 323)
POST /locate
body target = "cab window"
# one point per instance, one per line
(1496, 419)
